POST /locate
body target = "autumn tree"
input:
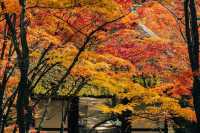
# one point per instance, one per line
(65, 47)
(191, 29)
(25, 41)
(22, 52)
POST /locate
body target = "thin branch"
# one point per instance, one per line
(99, 124)
(178, 19)
(67, 22)
(43, 115)
(42, 56)
(62, 79)
(42, 75)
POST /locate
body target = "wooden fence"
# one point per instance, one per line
(159, 130)
(163, 130)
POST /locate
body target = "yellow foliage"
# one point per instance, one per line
(40, 34)
(51, 3)
(12, 6)
(188, 114)
(109, 8)
(35, 54)
(62, 55)
(118, 108)
(129, 19)
(143, 101)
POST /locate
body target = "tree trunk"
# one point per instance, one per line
(126, 125)
(73, 115)
(192, 35)
(196, 99)
(124, 118)
(2, 90)
(23, 63)
(1, 107)
(22, 101)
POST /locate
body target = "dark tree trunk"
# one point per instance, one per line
(3, 82)
(1, 106)
(192, 35)
(124, 118)
(22, 102)
(23, 63)
(196, 99)
(126, 125)
(2, 89)
(73, 115)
